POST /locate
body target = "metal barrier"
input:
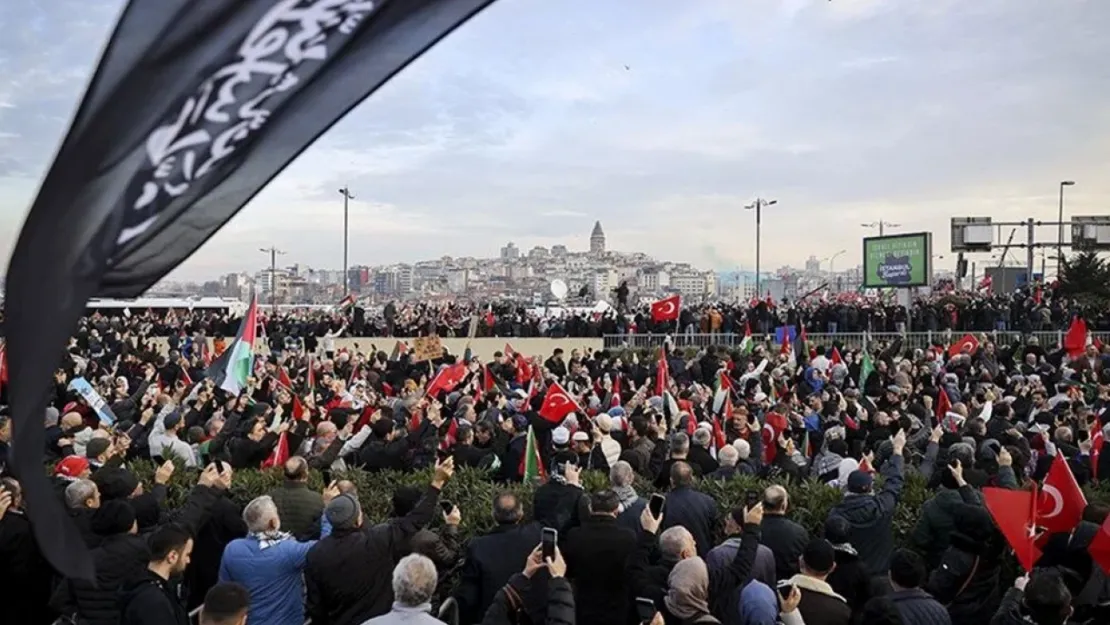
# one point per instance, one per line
(846, 339)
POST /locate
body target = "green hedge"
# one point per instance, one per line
(473, 493)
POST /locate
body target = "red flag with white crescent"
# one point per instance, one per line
(1061, 502)
(557, 404)
(666, 309)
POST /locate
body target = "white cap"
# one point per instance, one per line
(560, 435)
(760, 397)
(581, 436)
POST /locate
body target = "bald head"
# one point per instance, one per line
(296, 469)
(71, 420)
(775, 500)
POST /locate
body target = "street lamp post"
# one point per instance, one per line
(882, 225)
(1060, 226)
(347, 197)
(758, 206)
(833, 259)
(273, 252)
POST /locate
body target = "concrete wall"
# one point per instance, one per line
(481, 347)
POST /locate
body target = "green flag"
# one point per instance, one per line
(866, 368)
(532, 469)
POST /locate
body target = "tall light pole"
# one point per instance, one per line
(1060, 227)
(881, 225)
(347, 197)
(758, 206)
(273, 252)
(833, 258)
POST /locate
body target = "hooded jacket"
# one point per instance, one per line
(149, 600)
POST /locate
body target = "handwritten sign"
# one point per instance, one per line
(426, 348)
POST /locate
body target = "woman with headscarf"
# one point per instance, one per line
(687, 599)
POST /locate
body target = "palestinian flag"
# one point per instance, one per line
(866, 368)
(346, 302)
(231, 370)
(721, 396)
(531, 468)
(747, 344)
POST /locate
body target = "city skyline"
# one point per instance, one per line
(538, 119)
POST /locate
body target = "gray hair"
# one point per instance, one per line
(79, 492)
(621, 474)
(728, 456)
(414, 581)
(701, 437)
(743, 448)
(673, 540)
(680, 443)
(258, 513)
(964, 452)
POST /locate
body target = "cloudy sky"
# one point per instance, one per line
(661, 118)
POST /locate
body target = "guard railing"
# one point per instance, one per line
(845, 339)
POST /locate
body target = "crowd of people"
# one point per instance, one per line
(991, 416)
(1021, 311)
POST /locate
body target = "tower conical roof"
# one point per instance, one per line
(598, 232)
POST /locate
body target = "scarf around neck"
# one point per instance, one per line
(627, 496)
(269, 539)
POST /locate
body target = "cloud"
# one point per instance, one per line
(660, 119)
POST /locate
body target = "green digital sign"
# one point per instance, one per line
(903, 260)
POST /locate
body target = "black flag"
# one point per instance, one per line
(193, 108)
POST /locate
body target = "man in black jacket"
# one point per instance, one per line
(491, 560)
(785, 538)
(597, 556)
(347, 574)
(149, 599)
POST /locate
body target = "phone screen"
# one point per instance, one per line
(442, 454)
(446, 506)
(549, 538)
(326, 475)
(645, 609)
(751, 498)
(655, 505)
(785, 589)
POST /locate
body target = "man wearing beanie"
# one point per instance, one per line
(820, 605)
(121, 557)
(348, 573)
(872, 515)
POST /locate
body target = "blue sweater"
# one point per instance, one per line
(272, 576)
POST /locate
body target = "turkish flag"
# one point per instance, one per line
(662, 373)
(1075, 340)
(968, 342)
(835, 356)
(943, 406)
(1012, 511)
(615, 392)
(1097, 439)
(447, 379)
(280, 454)
(1100, 546)
(774, 424)
(666, 309)
(557, 404)
(1061, 501)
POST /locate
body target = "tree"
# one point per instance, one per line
(1085, 278)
